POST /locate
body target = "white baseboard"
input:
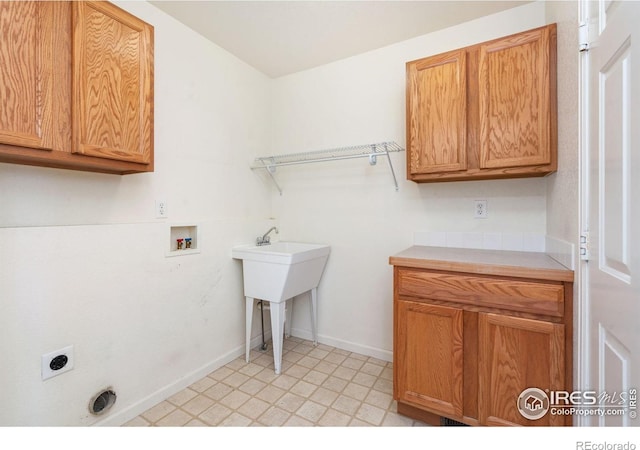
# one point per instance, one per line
(133, 411)
(384, 355)
(121, 417)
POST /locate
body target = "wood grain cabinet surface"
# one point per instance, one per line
(432, 356)
(76, 87)
(486, 111)
(470, 337)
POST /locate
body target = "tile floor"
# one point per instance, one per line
(319, 386)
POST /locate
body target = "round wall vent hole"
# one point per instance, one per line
(102, 402)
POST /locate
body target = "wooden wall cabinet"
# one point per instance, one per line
(484, 112)
(76, 87)
(27, 77)
(468, 339)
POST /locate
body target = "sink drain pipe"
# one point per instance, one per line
(264, 344)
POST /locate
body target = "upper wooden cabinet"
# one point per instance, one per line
(112, 77)
(76, 87)
(437, 114)
(26, 74)
(486, 111)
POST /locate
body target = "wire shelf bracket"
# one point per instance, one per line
(370, 151)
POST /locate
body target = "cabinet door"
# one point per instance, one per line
(517, 94)
(428, 360)
(112, 83)
(26, 66)
(437, 114)
(516, 354)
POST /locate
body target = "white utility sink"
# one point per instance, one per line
(281, 252)
(276, 273)
(280, 271)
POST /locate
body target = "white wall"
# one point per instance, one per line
(354, 207)
(82, 256)
(562, 187)
(563, 208)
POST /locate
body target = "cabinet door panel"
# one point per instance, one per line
(437, 113)
(26, 65)
(516, 354)
(429, 361)
(515, 106)
(112, 83)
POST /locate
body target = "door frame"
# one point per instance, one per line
(581, 352)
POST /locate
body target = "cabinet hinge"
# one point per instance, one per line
(584, 246)
(583, 37)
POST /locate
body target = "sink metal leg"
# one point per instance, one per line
(314, 315)
(287, 322)
(277, 333)
(248, 323)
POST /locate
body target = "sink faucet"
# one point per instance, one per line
(265, 239)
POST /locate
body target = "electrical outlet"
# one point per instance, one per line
(481, 211)
(161, 209)
(58, 362)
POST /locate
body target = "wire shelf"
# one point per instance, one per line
(370, 151)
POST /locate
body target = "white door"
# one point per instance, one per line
(611, 289)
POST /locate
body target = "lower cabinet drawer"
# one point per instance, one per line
(517, 295)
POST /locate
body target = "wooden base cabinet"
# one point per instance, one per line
(516, 354)
(431, 355)
(458, 356)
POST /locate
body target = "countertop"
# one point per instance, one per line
(487, 262)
